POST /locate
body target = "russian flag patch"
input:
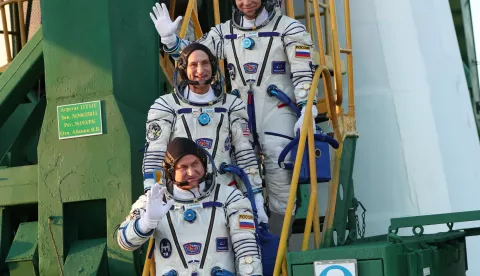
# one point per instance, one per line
(302, 51)
(245, 129)
(246, 222)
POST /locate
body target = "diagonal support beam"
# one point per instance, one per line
(19, 77)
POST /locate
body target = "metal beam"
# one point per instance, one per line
(18, 185)
(396, 223)
(27, 129)
(19, 77)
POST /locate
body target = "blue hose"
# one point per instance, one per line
(267, 241)
(273, 90)
(217, 271)
(224, 167)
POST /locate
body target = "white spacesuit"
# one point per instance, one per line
(173, 115)
(219, 125)
(195, 230)
(271, 49)
(181, 246)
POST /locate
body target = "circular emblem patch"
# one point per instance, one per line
(153, 131)
(165, 248)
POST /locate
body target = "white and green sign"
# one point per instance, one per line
(79, 120)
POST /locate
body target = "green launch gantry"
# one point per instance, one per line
(61, 200)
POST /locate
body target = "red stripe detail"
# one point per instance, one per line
(281, 105)
(247, 225)
(234, 182)
(302, 54)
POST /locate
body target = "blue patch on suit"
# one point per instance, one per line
(205, 143)
(165, 248)
(227, 144)
(250, 68)
(231, 70)
(192, 248)
(222, 244)
(279, 67)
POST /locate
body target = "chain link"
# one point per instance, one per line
(361, 233)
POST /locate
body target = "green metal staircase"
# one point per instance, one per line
(61, 201)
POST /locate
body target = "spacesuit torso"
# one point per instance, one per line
(221, 235)
(219, 126)
(276, 52)
(281, 56)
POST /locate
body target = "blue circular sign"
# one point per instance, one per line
(336, 267)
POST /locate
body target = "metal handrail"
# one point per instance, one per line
(149, 265)
(348, 51)
(332, 42)
(190, 13)
(336, 53)
(6, 32)
(216, 15)
(306, 129)
(334, 111)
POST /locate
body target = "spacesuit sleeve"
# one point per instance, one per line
(158, 130)
(212, 39)
(243, 151)
(242, 233)
(129, 236)
(298, 48)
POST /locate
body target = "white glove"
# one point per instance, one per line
(164, 25)
(298, 124)
(254, 177)
(262, 216)
(155, 209)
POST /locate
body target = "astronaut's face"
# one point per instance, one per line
(248, 7)
(199, 69)
(189, 169)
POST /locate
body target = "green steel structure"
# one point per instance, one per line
(61, 200)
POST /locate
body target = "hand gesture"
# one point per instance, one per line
(156, 209)
(298, 124)
(161, 18)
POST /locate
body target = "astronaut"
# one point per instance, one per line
(262, 47)
(202, 112)
(198, 224)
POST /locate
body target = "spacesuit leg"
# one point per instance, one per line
(276, 133)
